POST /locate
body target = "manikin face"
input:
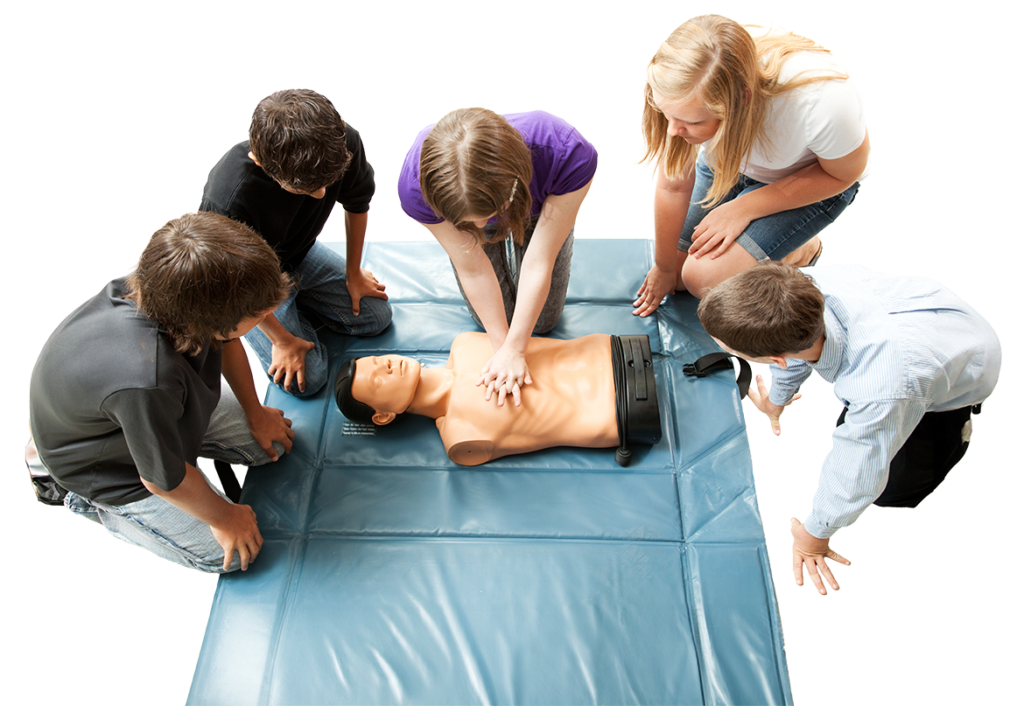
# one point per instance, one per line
(386, 383)
(689, 119)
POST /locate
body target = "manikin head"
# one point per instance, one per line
(376, 389)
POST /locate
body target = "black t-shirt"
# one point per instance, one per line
(112, 401)
(238, 188)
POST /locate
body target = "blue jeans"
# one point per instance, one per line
(320, 290)
(507, 259)
(772, 237)
(154, 524)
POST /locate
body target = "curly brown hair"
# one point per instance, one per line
(299, 139)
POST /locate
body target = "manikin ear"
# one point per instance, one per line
(382, 418)
(746, 99)
(780, 361)
(253, 158)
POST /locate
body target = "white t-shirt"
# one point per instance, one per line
(822, 119)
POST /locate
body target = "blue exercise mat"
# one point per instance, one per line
(390, 575)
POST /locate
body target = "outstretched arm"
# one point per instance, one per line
(671, 203)
(506, 372)
(359, 282)
(267, 424)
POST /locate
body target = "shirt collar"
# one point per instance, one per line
(832, 351)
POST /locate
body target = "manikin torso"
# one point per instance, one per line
(571, 401)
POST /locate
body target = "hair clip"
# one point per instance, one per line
(515, 185)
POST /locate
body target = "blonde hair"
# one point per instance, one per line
(471, 164)
(735, 75)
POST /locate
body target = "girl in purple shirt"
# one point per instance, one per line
(477, 179)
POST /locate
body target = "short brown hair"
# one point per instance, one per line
(202, 274)
(299, 139)
(769, 310)
(471, 162)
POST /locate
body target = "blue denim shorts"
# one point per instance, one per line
(772, 237)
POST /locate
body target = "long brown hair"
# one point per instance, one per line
(735, 75)
(202, 274)
(474, 163)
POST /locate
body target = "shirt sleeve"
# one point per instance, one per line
(856, 470)
(357, 183)
(835, 124)
(149, 420)
(578, 165)
(409, 193)
(786, 382)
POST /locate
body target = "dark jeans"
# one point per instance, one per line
(935, 446)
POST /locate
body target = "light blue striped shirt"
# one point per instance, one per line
(895, 348)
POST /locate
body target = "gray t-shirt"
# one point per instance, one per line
(112, 402)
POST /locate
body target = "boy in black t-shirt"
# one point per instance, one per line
(300, 159)
(126, 393)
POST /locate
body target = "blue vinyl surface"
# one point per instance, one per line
(390, 575)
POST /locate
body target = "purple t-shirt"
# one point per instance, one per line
(562, 163)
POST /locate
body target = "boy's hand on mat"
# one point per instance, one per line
(236, 531)
(270, 425)
(363, 284)
(657, 285)
(717, 231)
(760, 399)
(505, 374)
(288, 362)
(812, 552)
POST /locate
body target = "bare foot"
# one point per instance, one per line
(802, 256)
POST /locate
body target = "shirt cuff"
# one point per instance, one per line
(817, 529)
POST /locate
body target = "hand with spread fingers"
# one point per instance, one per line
(289, 362)
(657, 285)
(812, 552)
(363, 284)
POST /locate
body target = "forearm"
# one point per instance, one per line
(856, 470)
(534, 285)
(671, 204)
(476, 274)
(355, 235)
(194, 496)
(235, 369)
(484, 293)
(556, 221)
(809, 185)
(275, 331)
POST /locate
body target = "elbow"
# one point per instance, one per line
(153, 488)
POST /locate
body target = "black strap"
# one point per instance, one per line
(622, 453)
(722, 361)
(228, 480)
